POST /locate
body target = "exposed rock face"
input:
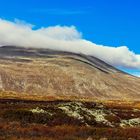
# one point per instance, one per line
(46, 73)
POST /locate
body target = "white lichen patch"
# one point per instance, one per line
(136, 110)
(100, 116)
(79, 111)
(39, 110)
(72, 109)
(71, 113)
(131, 122)
(1, 83)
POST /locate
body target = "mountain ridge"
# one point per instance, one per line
(43, 74)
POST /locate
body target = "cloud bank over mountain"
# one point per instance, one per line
(66, 39)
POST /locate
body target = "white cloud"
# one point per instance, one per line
(66, 39)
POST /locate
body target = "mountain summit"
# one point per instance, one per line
(42, 74)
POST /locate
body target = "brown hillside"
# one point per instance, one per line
(43, 74)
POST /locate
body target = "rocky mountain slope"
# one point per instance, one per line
(42, 74)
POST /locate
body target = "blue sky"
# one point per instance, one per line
(108, 22)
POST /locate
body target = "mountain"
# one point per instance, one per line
(43, 74)
(48, 94)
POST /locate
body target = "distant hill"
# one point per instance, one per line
(42, 74)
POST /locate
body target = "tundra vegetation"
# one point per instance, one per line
(69, 120)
